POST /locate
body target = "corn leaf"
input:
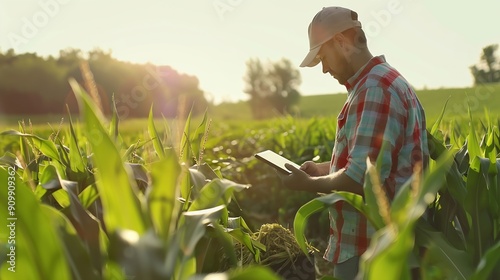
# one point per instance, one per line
(476, 205)
(227, 243)
(436, 148)
(76, 254)
(88, 196)
(115, 120)
(184, 240)
(489, 264)
(430, 185)
(186, 268)
(116, 187)
(140, 257)
(492, 176)
(455, 263)
(185, 148)
(372, 205)
(319, 204)
(164, 190)
(10, 159)
(436, 124)
(454, 182)
(402, 203)
(157, 144)
(132, 148)
(184, 158)
(26, 153)
(49, 179)
(45, 146)
(388, 254)
(239, 230)
(87, 224)
(473, 144)
(37, 247)
(197, 139)
(207, 171)
(77, 161)
(62, 198)
(390, 247)
(216, 192)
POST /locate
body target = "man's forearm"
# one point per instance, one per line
(324, 167)
(299, 180)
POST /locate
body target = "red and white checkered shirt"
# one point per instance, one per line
(381, 107)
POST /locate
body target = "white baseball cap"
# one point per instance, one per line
(325, 24)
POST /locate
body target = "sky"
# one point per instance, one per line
(431, 42)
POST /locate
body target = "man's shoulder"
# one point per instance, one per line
(385, 76)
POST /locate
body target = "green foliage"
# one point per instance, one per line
(114, 203)
(232, 147)
(81, 213)
(38, 251)
(112, 176)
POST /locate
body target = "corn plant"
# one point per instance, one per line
(82, 214)
(392, 245)
(459, 195)
(466, 214)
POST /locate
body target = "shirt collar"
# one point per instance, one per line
(354, 80)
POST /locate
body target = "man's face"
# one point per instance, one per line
(335, 62)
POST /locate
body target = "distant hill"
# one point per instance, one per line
(433, 100)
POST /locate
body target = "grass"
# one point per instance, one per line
(479, 98)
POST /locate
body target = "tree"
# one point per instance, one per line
(272, 88)
(488, 69)
(284, 83)
(31, 84)
(257, 86)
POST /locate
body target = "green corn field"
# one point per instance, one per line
(184, 199)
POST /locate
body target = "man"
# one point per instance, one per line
(381, 107)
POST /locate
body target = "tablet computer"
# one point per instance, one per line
(276, 161)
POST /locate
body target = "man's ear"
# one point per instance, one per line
(340, 40)
(345, 44)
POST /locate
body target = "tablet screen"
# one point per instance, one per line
(276, 161)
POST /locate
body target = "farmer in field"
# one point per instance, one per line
(381, 107)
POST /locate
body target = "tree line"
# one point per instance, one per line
(34, 85)
(31, 84)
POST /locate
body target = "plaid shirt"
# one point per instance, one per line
(381, 107)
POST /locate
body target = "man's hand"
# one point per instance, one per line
(315, 169)
(299, 180)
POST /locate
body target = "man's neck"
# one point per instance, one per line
(358, 63)
(360, 59)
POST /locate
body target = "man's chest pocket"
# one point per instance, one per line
(340, 137)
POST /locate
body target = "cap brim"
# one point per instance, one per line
(311, 58)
